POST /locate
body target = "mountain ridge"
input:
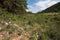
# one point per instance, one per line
(54, 8)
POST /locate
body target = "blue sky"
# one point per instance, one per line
(35, 6)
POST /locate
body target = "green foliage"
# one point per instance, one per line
(47, 25)
(15, 6)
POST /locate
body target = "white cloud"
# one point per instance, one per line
(52, 3)
(40, 5)
(27, 10)
(32, 9)
(45, 4)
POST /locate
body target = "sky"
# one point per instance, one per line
(35, 6)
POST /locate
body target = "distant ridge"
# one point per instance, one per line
(54, 8)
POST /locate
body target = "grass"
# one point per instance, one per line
(46, 24)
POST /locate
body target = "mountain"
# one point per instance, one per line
(54, 8)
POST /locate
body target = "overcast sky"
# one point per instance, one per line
(39, 5)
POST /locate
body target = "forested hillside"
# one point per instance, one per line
(21, 25)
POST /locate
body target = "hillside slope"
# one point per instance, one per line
(30, 26)
(54, 8)
(44, 26)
